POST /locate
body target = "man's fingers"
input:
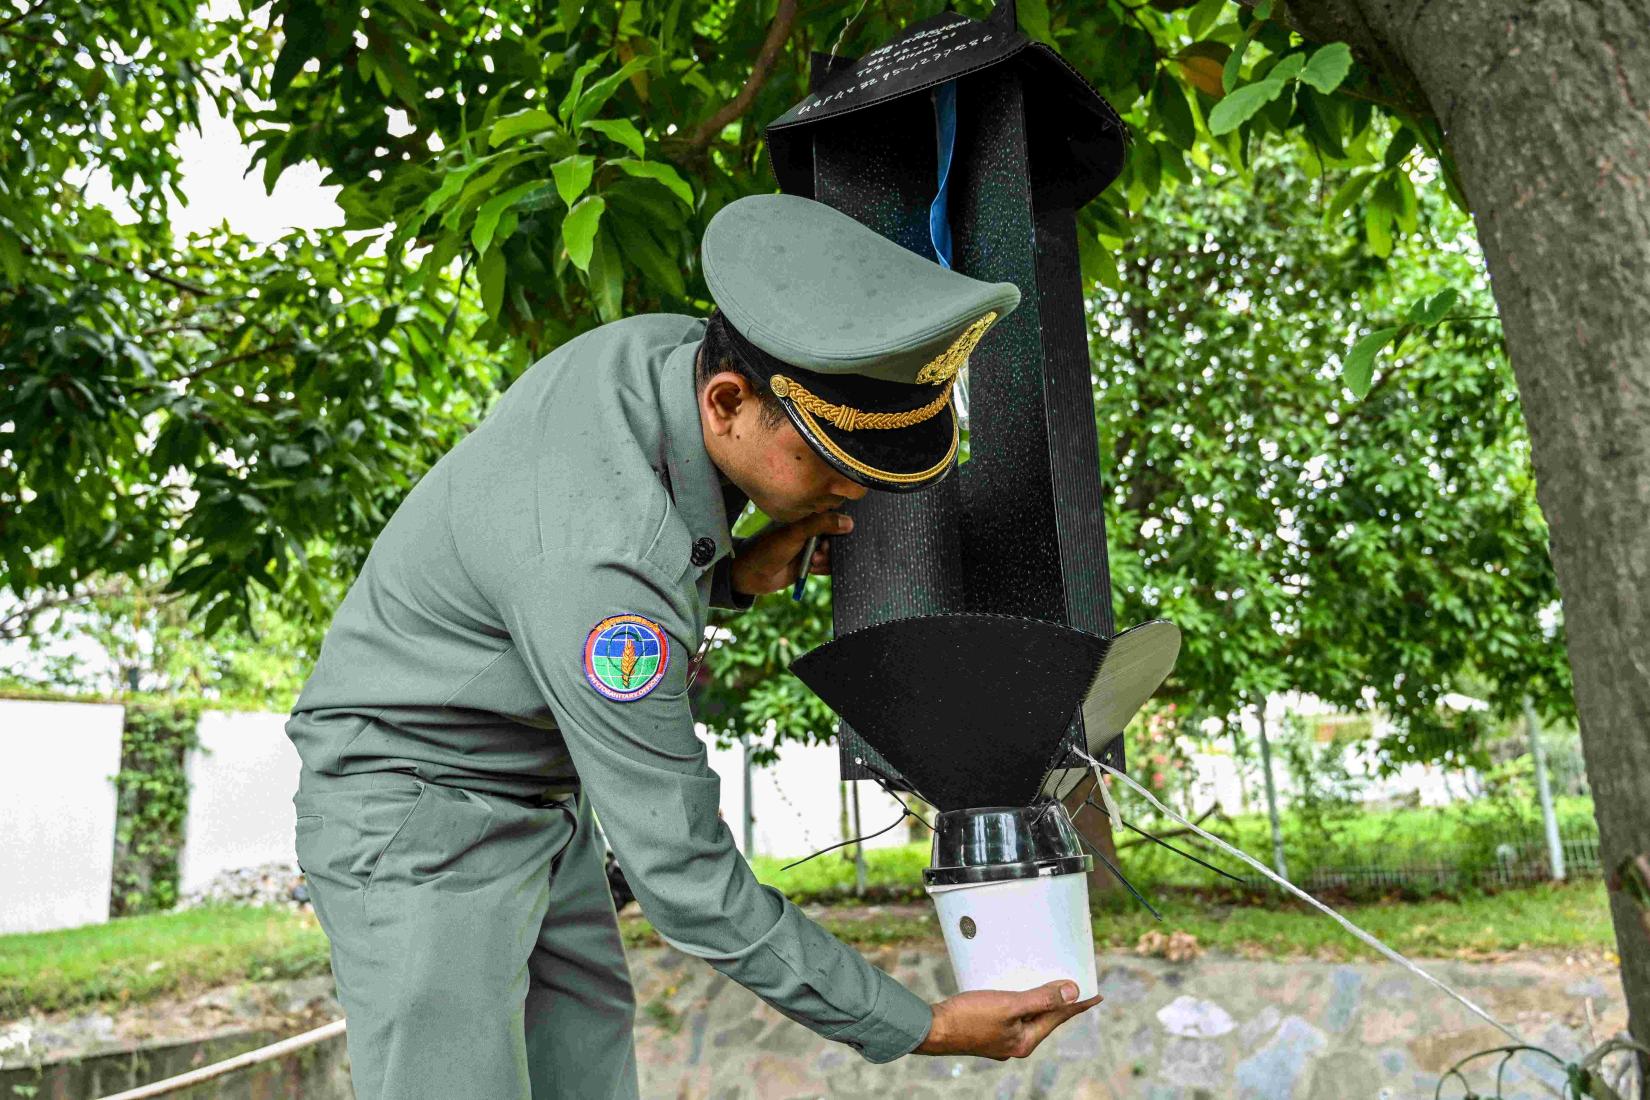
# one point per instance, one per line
(1038, 1027)
(1047, 998)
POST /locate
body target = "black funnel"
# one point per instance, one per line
(971, 708)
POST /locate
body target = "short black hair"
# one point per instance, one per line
(716, 355)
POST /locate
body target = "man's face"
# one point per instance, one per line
(774, 466)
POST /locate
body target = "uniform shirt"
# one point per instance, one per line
(459, 655)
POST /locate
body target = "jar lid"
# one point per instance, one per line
(999, 843)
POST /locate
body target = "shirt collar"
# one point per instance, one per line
(695, 482)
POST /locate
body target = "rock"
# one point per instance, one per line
(277, 885)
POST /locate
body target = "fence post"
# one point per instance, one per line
(1555, 849)
(1278, 864)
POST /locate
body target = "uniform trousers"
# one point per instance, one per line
(474, 942)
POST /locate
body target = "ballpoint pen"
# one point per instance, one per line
(807, 557)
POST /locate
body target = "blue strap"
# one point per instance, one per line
(945, 130)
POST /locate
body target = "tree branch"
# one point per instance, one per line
(778, 31)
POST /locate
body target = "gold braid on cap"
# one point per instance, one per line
(850, 419)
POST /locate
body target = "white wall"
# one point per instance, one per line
(797, 801)
(57, 813)
(241, 782)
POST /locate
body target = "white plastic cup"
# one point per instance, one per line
(1016, 934)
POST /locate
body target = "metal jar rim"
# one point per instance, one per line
(1004, 872)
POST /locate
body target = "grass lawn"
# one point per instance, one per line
(139, 958)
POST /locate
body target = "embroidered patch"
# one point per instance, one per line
(625, 657)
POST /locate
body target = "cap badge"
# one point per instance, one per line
(950, 361)
(625, 657)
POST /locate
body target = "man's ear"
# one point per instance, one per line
(727, 395)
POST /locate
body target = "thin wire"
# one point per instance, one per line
(1159, 840)
(845, 843)
(1308, 898)
(1112, 867)
(883, 779)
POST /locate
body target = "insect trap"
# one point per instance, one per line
(973, 711)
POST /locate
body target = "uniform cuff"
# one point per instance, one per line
(721, 584)
(897, 1024)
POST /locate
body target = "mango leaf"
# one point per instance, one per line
(1321, 116)
(1203, 17)
(573, 176)
(1403, 141)
(1201, 64)
(1424, 312)
(491, 276)
(1328, 67)
(606, 277)
(593, 99)
(530, 121)
(576, 89)
(642, 251)
(1287, 67)
(621, 130)
(657, 170)
(578, 230)
(1233, 68)
(1034, 19)
(481, 233)
(1174, 114)
(1348, 193)
(1358, 368)
(1240, 106)
(1378, 215)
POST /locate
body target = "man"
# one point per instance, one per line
(514, 657)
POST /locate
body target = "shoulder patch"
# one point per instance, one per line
(625, 657)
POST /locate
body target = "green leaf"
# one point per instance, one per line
(1328, 67)
(1425, 312)
(1403, 141)
(1174, 114)
(530, 121)
(1321, 117)
(1232, 70)
(1378, 215)
(607, 278)
(578, 230)
(657, 170)
(1287, 68)
(481, 234)
(1358, 368)
(1034, 19)
(568, 12)
(1203, 17)
(1240, 106)
(11, 256)
(621, 130)
(1348, 193)
(573, 177)
(642, 251)
(575, 89)
(592, 100)
(1263, 11)
(491, 275)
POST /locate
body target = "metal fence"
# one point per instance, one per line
(1506, 860)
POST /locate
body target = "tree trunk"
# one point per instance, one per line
(1546, 106)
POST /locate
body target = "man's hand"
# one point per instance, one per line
(1001, 1025)
(768, 561)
